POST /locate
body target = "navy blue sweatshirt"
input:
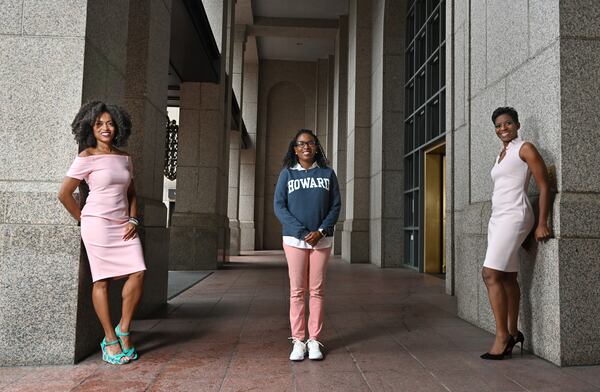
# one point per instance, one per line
(307, 200)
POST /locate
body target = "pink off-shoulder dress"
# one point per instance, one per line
(105, 214)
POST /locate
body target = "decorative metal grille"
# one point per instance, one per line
(425, 119)
(171, 149)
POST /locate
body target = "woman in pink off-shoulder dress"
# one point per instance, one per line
(108, 219)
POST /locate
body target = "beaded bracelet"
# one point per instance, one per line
(134, 221)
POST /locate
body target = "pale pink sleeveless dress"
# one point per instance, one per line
(105, 214)
(512, 216)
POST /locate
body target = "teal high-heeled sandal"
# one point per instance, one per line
(130, 352)
(113, 359)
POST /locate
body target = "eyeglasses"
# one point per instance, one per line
(310, 143)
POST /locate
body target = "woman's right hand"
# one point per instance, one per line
(313, 238)
(130, 231)
(542, 232)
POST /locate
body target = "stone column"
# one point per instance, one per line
(321, 101)
(248, 158)
(355, 240)
(235, 141)
(197, 221)
(44, 49)
(55, 55)
(200, 227)
(226, 83)
(330, 88)
(146, 100)
(551, 78)
(387, 130)
(578, 228)
(449, 234)
(340, 121)
(234, 192)
(260, 159)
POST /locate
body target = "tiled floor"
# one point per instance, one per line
(385, 330)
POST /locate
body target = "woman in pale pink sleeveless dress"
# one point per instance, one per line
(108, 219)
(511, 221)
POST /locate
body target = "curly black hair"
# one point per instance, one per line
(83, 123)
(505, 110)
(290, 159)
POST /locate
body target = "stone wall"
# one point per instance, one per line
(527, 59)
(59, 55)
(285, 88)
(387, 133)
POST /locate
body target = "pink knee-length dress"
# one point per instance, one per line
(105, 215)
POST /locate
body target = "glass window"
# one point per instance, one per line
(425, 121)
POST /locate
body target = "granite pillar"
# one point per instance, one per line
(321, 108)
(200, 226)
(551, 79)
(579, 231)
(330, 89)
(226, 73)
(146, 100)
(234, 192)
(197, 221)
(235, 141)
(356, 237)
(340, 121)
(387, 130)
(248, 158)
(54, 57)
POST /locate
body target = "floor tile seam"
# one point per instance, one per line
(408, 351)
(13, 382)
(84, 380)
(237, 343)
(178, 350)
(360, 371)
(164, 365)
(516, 382)
(440, 382)
(171, 312)
(502, 374)
(421, 363)
(159, 371)
(572, 376)
(234, 281)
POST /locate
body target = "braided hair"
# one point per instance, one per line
(290, 159)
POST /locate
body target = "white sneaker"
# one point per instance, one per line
(314, 351)
(299, 350)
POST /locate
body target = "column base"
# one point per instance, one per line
(247, 236)
(194, 242)
(337, 239)
(234, 237)
(155, 241)
(355, 241)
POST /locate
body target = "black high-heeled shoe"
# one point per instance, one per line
(520, 338)
(507, 353)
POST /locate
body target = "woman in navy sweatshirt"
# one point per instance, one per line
(307, 203)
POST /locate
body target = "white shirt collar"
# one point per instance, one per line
(298, 166)
(513, 142)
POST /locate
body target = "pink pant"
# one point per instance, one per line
(307, 272)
